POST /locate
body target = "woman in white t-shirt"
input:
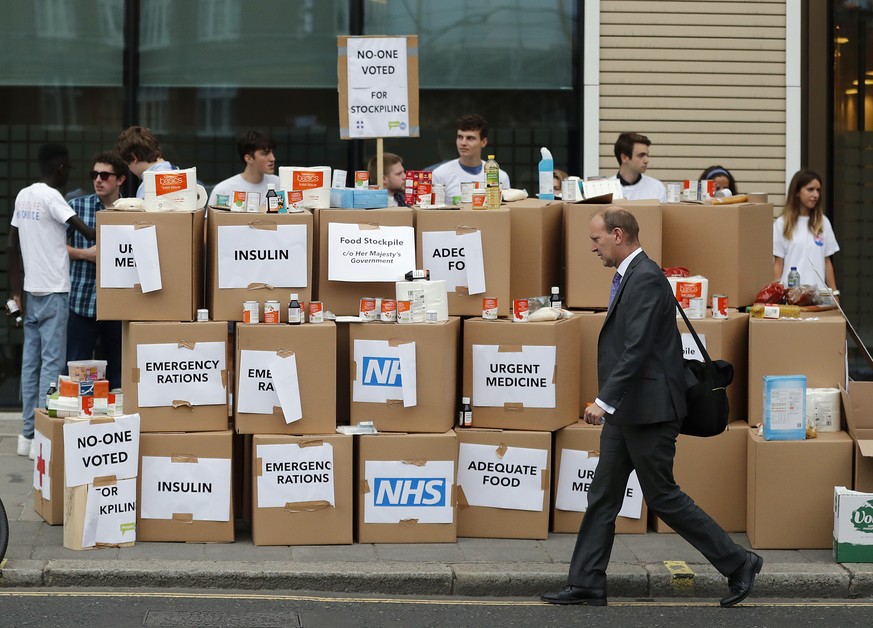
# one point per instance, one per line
(803, 236)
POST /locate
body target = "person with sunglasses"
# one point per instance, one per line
(83, 329)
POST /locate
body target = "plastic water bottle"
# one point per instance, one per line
(794, 278)
(492, 183)
(547, 175)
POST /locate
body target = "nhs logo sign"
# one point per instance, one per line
(428, 492)
(382, 371)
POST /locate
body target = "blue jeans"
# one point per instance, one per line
(82, 336)
(45, 346)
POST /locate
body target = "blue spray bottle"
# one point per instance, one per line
(547, 176)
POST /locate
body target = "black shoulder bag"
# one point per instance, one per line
(706, 396)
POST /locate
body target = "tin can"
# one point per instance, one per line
(689, 190)
(404, 312)
(520, 309)
(489, 308)
(431, 316)
(362, 179)
(251, 310)
(316, 312)
(389, 311)
(202, 316)
(479, 197)
(272, 311)
(705, 190)
(467, 191)
(570, 191)
(674, 192)
(719, 306)
(439, 194)
(367, 311)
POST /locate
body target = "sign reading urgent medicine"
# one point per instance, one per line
(171, 372)
(384, 372)
(526, 377)
(129, 257)
(378, 86)
(364, 253)
(574, 480)
(401, 491)
(272, 256)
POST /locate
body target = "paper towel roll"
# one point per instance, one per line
(202, 196)
(435, 295)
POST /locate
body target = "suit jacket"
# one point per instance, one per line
(640, 366)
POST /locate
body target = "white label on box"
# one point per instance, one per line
(169, 373)
(400, 491)
(457, 259)
(148, 262)
(247, 255)
(574, 480)
(110, 514)
(513, 481)
(384, 373)
(378, 94)
(291, 474)
(93, 450)
(690, 350)
(257, 393)
(356, 253)
(200, 489)
(42, 476)
(525, 377)
(117, 263)
(287, 386)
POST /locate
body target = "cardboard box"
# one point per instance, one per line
(312, 503)
(314, 348)
(263, 281)
(731, 245)
(184, 488)
(853, 526)
(712, 472)
(405, 488)
(535, 264)
(180, 249)
(857, 407)
(444, 261)
(48, 470)
(168, 340)
(507, 476)
(582, 437)
(543, 401)
(343, 297)
(790, 489)
(375, 374)
(815, 347)
(590, 325)
(587, 280)
(725, 339)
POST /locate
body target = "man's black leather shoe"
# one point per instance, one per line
(740, 582)
(576, 595)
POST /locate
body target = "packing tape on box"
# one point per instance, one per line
(105, 480)
(312, 506)
(545, 477)
(394, 402)
(134, 375)
(184, 459)
(501, 450)
(462, 498)
(368, 226)
(101, 419)
(365, 487)
(284, 353)
(509, 349)
(186, 344)
(513, 406)
(396, 342)
(310, 442)
(259, 286)
(181, 403)
(463, 230)
(183, 517)
(264, 225)
(462, 291)
(408, 523)
(420, 462)
(277, 411)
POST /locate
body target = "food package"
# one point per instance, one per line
(823, 409)
(691, 293)
(172, 190)
(313, 181)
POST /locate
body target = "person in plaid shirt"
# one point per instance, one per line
(83, 328)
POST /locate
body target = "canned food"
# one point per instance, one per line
(367, 311)
(389, 311)
(202, 316)
(467, 191)
(674, 192)
(362, 179)
(272, 311)
(316, 312)
(404, 312)
(489, 308)
(689, 190)
(251, 310)
(439, 194)
(705, 190)
(479, 199)
(520, 309)
(719, 306)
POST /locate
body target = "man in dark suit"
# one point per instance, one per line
(641, 402)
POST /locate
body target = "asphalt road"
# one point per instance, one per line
(117, 609)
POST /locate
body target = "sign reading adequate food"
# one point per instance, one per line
(574, 480)
(384, 371)
(502, 477)
(110, 513)
(377, 87)
(276, 257)
(367, 253)
(101, 449)
(456, 258)
(170, 373)
(295, 473)
(402, 491)
(523, 375)
(199, 487)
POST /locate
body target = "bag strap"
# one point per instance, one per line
(700, 346)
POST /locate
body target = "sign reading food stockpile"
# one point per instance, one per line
(100, 467)
(503, 484)
(302, 490)
(378, 86)
(176, 375)
(149, 265)
(257, 257)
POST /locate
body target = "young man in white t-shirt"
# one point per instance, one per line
(39, 235)
(472, 137)
(257, 153)
(632, 153)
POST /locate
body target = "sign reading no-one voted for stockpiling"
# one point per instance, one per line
(104, 449)
(366, 253)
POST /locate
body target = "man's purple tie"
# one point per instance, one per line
(616, 280)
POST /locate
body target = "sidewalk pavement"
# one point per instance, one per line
(471, 567)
